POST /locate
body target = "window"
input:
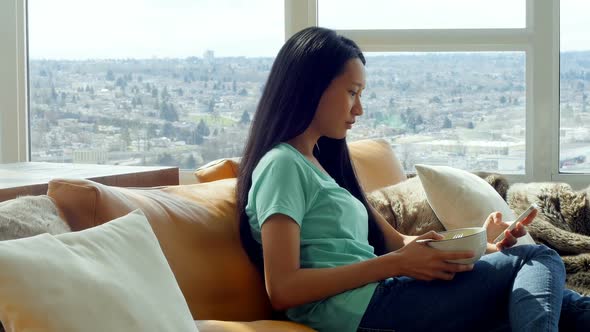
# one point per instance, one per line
(526, 30)
(574, 130)
(422, 14)
(462, 109)
(454, 89)
(157, 83)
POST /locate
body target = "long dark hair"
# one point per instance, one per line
(305, 66)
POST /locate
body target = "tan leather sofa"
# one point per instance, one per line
(197, 228)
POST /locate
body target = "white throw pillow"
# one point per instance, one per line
(462, 199)
(113, 277)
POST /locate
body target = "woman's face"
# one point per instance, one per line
(340, 103)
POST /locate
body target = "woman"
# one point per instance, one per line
(329, 259)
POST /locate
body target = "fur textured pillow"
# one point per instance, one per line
(28, 216)
(405, 207)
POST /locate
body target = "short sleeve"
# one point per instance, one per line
(278, 186)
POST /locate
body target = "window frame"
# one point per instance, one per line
(13, 82)
(539, 40)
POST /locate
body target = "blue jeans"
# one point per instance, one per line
(521, 288)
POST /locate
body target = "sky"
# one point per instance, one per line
(83, 29)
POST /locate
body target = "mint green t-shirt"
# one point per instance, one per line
(333, 230)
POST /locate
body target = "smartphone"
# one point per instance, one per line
(520, 218)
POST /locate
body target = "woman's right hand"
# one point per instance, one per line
(422, 262)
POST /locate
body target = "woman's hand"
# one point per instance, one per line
(420, 261)
(495, 226)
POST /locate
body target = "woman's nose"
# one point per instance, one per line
(357, 109)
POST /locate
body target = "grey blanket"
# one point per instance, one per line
(563, 222)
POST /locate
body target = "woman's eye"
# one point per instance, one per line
(352, 93)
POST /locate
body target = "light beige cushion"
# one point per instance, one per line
(462, 199)
(112, 277)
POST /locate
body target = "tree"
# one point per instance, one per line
(190, 162)
(166, 159)
(196, 138)
(503, 100)
(165, 95)
(121, 83)
(202, 128)
(54, 94)
(243, 92)
(168, 130)
(435, 99)
(125, 137)
(419, 119)
(168, 112)
(470, 125)
(110, 76)
(447, 123)
(152, 131)
(245, 118)
(211, 106)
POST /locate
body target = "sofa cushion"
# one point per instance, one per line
(257, 326)
(109, 278)
(197, 228)
(375, 163)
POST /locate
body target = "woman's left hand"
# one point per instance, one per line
(494, 226)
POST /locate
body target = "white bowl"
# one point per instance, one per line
(463, 239)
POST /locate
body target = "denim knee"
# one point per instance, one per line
(532, 252)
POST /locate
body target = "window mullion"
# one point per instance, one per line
(13, 97)
(299, 14)
(439, 40)
(542, 129)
